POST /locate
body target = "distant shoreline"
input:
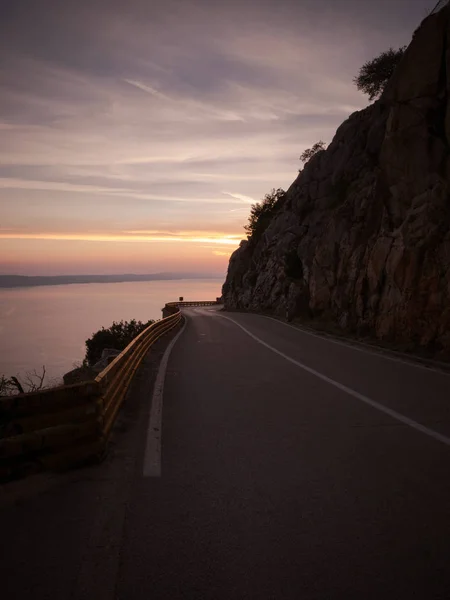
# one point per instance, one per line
(19, 281)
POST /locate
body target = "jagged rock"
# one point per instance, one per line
(362, 238)
(108, 355)
(85, 373)
(78, 375)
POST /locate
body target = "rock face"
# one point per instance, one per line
(86, 373)
(362, 238)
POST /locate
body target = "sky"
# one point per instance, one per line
(136, 134)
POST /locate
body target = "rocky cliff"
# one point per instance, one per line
(362, 237)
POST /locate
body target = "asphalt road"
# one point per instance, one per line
(292, 467)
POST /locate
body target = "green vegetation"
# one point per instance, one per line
(6, 386)
(374, 74)
(262, 212)
(293, 265)
(118, 336)
(309, 152)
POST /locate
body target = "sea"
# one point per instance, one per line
(47, 326)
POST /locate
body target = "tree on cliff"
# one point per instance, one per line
(374, 74)
(262, 212)
(309, 152)
(118, 336)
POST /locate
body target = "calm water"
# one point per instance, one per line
(49, 325)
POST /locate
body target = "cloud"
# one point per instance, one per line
(161, 117)
(240, 197)
(11, 183)
(132, 236)
(148, 89)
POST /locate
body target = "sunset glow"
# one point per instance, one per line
(126, 237)
(136, 136)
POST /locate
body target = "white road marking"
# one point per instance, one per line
(152, 455)
(384, 409)
(377, 351)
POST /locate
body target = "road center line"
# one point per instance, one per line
(384, 409)
(152, 455)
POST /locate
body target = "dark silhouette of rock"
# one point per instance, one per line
(362, 239)
(86, 373)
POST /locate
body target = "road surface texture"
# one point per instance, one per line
(291, 467)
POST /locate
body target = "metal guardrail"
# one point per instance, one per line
(116, 378)
(64, 426)
(172, 307)
(206, 303)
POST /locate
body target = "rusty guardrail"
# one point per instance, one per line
(172, 307)
(115, 379)
(64, 426)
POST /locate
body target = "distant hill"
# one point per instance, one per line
(14, 281)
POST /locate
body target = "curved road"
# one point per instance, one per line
(291, 467)
(277, 484)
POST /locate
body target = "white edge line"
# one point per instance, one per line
(375, 351)
(384, 409)
(152, 455)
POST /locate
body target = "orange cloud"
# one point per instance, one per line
(128, 236)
